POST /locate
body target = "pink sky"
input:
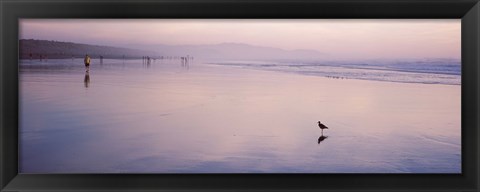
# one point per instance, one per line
(349, 39)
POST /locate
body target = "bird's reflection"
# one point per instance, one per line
(322, 138)
(86, 80)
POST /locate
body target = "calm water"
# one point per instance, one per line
(129, 117)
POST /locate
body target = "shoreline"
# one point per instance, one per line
(210, 63)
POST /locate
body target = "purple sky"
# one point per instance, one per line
(348, 39)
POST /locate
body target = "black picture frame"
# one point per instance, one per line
(466, 10)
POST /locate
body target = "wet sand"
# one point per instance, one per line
(165, 118)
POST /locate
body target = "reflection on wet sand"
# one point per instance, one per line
(86, 80)
(322, 138)
(185, 62)
(121, 125)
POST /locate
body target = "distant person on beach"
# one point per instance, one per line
(87, 61)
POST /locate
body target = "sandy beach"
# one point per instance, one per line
(168, 118)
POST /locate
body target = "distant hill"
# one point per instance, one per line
(30, 48)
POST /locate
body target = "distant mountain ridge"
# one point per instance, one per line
(31, 48)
